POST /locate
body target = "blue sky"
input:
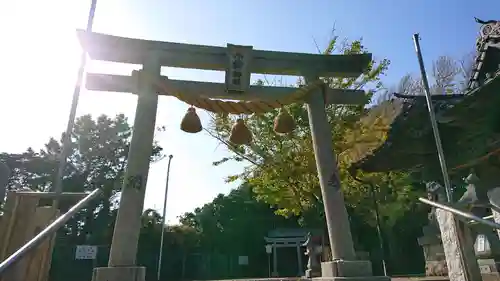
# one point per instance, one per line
(40, 60)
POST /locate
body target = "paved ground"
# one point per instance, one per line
(398, 278)
(423, 278)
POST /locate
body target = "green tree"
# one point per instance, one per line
(233, 225)
(97, 159)
(179, 242)
(282, 170)
(448, 76)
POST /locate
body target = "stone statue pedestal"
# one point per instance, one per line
(125, 273)
(313, 251)
(313, 272)
(435, 260)
(485, 258)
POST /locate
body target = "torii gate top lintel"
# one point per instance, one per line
(128, 50)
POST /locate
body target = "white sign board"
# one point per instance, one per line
(86, 252)
(243, 260)
(238, 70)
(481, 243)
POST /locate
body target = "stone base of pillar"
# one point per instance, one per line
(340, 270)
(354, 278)
(136, 273)
(487, 266)
(343, 268)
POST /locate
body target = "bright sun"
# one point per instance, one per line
(39, 67)
(40, 57)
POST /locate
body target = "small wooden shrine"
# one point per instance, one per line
(288, 238)
(468, 123)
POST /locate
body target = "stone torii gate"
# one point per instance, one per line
(152, 55)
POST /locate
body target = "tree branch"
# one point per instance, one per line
(230, 146)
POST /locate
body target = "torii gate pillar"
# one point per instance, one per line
(152, 55)
(344, 262)
(122, 257)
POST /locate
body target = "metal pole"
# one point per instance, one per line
(299, 260)
(484, 218)
(379, 229)
(163, 217)
(63, 156)
(460, 213)
(432, 117)
(269, 264)
(275, 261)
(49, 230)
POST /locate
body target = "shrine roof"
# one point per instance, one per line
(292, 232)
(468, 123)
(462, 123)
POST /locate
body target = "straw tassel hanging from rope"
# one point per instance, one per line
(240, 134)
(284, 123)
(191, 122)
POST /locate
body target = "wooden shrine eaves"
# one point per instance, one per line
(127, 50)
(127, 84)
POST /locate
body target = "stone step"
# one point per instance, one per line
(420, 278)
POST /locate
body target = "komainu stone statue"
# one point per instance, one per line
(435, 262)
(436, 193)
(313, 252)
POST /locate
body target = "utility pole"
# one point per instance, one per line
(432, 116)
(63, 155)
(160, 255)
